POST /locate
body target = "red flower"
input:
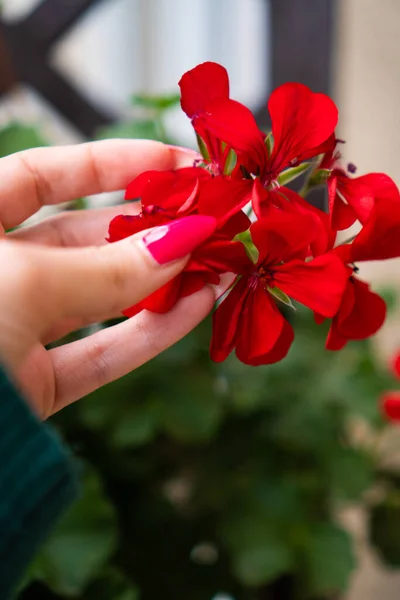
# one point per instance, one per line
(391, 406)
(265, 201)
(248, 319)
(362, 312)
(396, 365)
(176, 191)
(353, 198)
(202, 90)
(215, 256)
(302, 123)
(390, 401)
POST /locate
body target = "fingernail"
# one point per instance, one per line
(226, 280)
(178, 238)
(182, 149)
(184, 157)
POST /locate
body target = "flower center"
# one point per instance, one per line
(266, 277)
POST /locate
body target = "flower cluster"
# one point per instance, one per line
(287, 249)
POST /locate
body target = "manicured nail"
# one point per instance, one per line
(185, 157)
(183, 149)
(178, 238)
(226, 280)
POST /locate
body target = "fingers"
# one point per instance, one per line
(83, 366)
(74, 228)
(70, 325)
(33, 178)
(71, 283)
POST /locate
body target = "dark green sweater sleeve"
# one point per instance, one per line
(37, 483)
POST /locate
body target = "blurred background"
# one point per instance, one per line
(204, 481)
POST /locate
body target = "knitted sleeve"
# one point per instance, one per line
(37, 483)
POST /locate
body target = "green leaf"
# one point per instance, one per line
(16, 137)
(250, 247)
(269, 143)
(192, 413)
(281, 296)
(261, 564)
(137, 426)
(81, 543)
(290, 174)
(112, 585)
(350, 472)
(385, 527)
(159, 103)
(329, 560)
(140, 129)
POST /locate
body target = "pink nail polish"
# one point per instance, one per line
(177, 239)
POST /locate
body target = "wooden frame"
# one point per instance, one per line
(300, 46)
(25, 57)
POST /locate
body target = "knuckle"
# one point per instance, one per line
(143, 331)
(19, 269)
(39, 185)
(97, 357)
(116, 271)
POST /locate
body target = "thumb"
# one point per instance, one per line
(106, 279)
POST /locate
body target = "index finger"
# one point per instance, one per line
(33, 178)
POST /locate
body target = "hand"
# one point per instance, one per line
(60, 275)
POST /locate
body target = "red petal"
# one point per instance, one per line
(335, 341)
(367, 315)
(301, 121)
(380, 237)
(279, 351)
(159, 179)
(201, 86)
(342, 215)
(123, 226)
(222, 256)
(319, 284)
(222, 197)
(171, 190)
(164, 299)
(282, 236)
(260, 327)
(235, 125)
(324, 237)
(396, 365)
(225, 321)
(391, 406)
(261, 199)
(237, 223)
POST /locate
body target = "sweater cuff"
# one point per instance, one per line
(37, 483)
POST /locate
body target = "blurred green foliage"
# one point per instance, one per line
(202, 479)
(15, 137)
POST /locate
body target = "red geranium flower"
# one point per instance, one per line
(215, 256)
(248, 319)
(362, 312)
(390, 401)
(302, 123)
(176, 191)
(352, 198)
(391, 405)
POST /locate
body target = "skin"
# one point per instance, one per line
(60, 275)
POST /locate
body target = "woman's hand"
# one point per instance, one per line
(60, 275)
